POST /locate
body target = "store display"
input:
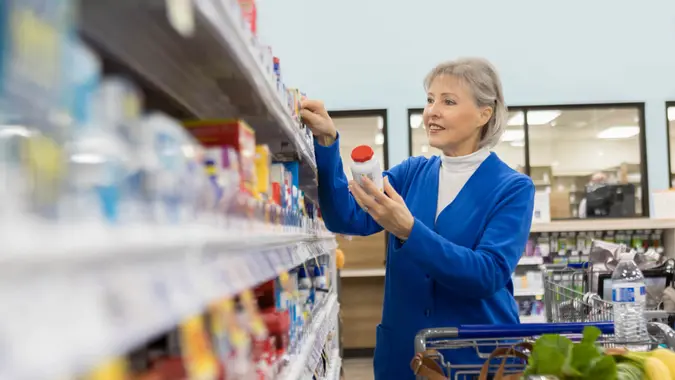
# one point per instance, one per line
(144, 220)
(574, 247)
(365, 165)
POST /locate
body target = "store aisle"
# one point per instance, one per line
(358, 369)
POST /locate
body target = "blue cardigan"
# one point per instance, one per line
(451, 271)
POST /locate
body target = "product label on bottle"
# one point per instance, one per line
(631, 292)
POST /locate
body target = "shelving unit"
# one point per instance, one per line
(215, 71)
(77, 295)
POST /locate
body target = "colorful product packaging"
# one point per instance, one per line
(250, 13)
(199, 358)
(115, 369)
(234, 133)
(263, 161)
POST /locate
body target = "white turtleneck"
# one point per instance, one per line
(454, 173)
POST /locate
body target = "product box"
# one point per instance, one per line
(234, 133)
(294, 169)
(263, 161)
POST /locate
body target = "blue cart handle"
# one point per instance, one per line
(584, 265)
(528, 329)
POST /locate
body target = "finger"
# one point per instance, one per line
(315, 106)
(362, 198)
(373, 191)
(391, 192)
(310, 118)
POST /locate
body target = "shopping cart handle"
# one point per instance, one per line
(583, 265)
(528, 329)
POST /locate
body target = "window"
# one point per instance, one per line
(511, 149)
(574, 153)
(670, 109)
(582, 153)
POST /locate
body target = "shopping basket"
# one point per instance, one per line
(486, 339)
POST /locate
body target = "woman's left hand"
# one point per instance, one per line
(389, 211)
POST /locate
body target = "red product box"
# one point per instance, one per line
(250, 14)
(278, 326)
(230, 132)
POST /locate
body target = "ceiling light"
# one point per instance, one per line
(425, 148)
(415, 120)
(534, 117)
(518, 143)
(380, 123)
(620, 132)
(513, 135)
(379, 139)
(671, 113)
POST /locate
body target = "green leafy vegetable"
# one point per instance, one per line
(558, 356)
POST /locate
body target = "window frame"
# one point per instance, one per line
(639, 106)
(668, 105)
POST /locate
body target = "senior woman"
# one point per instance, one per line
(458, 222)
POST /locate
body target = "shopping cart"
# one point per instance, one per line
(571, 295)
(484, 339)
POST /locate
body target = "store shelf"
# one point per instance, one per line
(528, 292)
(378, 272)
(533, 319)
(333, 372)
(106, 303)
(530, 260)
(603, 225)
(212, 73)
(309, 353)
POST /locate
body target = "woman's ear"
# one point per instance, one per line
(485, 115)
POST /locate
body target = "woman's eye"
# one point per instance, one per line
(449, 102)
(429, 100)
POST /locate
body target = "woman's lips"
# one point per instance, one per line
(435, 128)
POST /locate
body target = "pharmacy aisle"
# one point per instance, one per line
(158, 211)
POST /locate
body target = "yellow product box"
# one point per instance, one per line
(200, 360)
(263, 161)
(115, 369)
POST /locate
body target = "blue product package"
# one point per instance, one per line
(294, 169)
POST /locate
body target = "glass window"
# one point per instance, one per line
(511, 149)
(588, 160)
(671, 138)
(360, 130)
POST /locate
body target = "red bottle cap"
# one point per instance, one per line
(362, 153)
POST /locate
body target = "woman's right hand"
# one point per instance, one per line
(316, 118)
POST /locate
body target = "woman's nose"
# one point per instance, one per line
(434, 110)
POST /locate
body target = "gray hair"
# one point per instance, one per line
(486, 87)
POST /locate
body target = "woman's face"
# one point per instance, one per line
(452, 118)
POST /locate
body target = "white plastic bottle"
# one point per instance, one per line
(366, 165)
(629, 298)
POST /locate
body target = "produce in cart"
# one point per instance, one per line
(559, 356)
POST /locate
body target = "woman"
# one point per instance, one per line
(458, 223)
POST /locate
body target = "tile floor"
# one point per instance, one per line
(358, 369)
